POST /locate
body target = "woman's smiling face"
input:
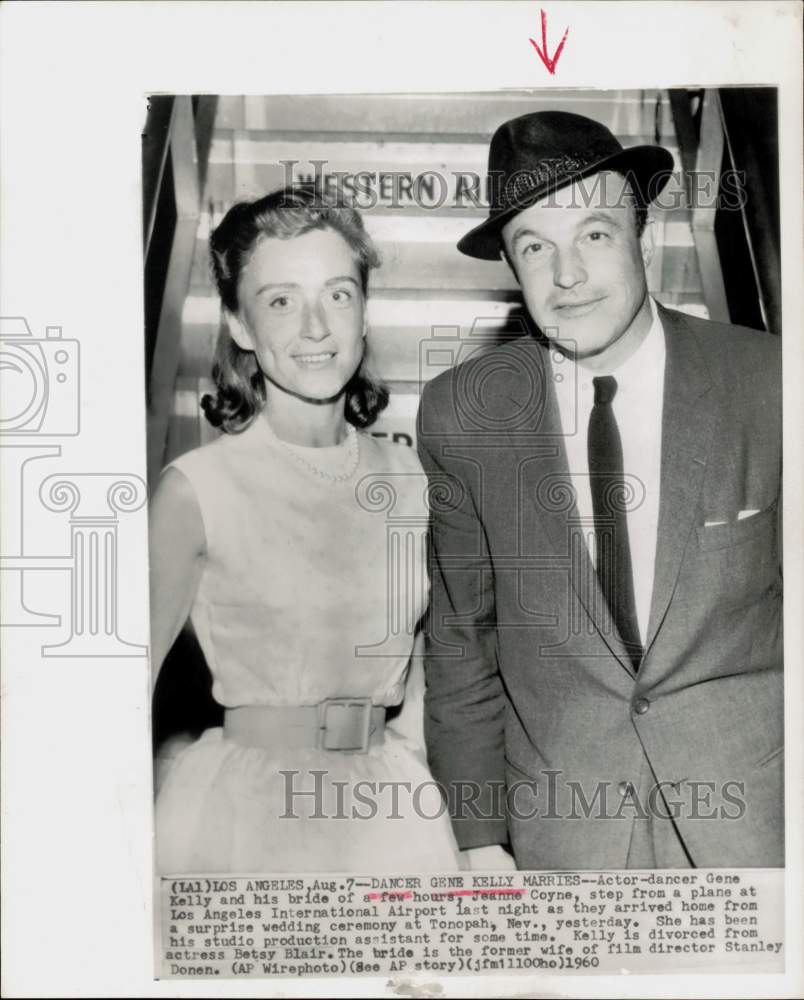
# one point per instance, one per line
(302, 312)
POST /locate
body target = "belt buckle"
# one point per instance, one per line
(344, 724)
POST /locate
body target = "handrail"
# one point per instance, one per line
(179, 169)
(749, 122)
(738, 258)
(155, 149)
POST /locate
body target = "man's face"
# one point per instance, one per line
(581, 265)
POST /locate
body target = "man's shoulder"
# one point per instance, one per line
(488, 372)
(725, 345)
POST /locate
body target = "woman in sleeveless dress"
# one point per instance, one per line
(294, 542)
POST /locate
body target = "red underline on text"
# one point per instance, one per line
(480, 892)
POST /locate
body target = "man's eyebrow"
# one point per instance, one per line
(599, 217)
(524, 231)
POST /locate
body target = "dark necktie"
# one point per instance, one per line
(611, 525)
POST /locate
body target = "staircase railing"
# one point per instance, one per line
(728, 149)
(176, 145)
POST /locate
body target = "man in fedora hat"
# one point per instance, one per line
(604, 671)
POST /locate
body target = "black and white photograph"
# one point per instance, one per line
(416, 540)
(466, 553)
(599, 679)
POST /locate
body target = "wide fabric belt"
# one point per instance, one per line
(346, 725)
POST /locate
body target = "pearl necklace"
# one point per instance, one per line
(340, 477)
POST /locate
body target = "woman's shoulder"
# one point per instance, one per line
(209, 456)
(209, 472)
(202, 483)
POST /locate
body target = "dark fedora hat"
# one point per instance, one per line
(536, 154)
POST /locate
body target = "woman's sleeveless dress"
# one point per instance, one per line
(311, 590)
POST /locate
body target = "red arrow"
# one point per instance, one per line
(548, 62)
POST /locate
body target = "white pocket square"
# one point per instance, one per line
(742, 515)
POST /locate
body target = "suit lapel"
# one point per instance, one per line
(545, 481)
(687, 428)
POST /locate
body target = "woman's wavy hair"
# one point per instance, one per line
(292, 211)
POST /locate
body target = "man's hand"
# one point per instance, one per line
(492, 858)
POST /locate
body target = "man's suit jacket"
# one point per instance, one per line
(527, 679)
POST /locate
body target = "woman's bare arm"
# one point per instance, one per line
(177, 548)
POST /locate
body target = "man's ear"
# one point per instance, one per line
(238, 331)
(647, 242)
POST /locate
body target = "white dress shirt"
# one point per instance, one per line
(638, 411)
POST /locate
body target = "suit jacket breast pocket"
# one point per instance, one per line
(722, 536)
(739, 561)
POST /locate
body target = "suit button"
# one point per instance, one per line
(641, 705)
